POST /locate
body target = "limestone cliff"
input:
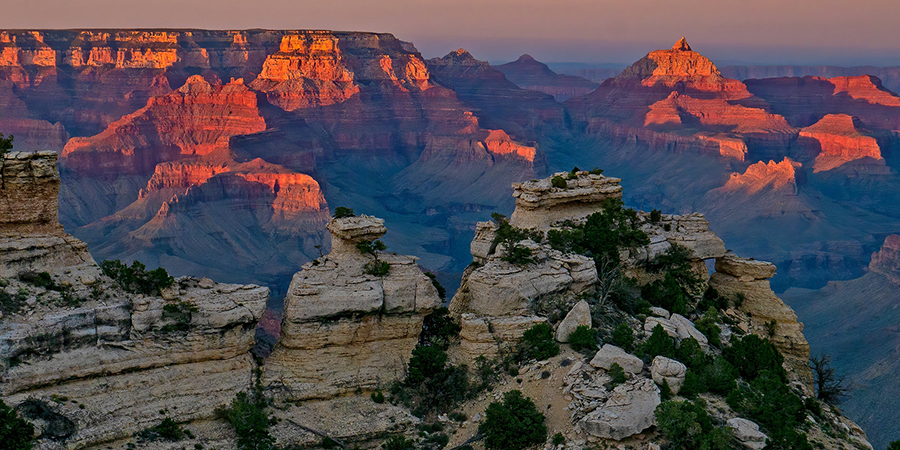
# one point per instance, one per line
(31, 237)
(886, 260)
(840, 140)
(766, 314)
(345, 328)
(93, 362)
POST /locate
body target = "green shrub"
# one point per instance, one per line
(167, 430)
(712, 299)
(812, 405)
(770, 403)
(514, 424)
(6, 144)
(398, 443)
(431, 384)
(687, 425)
(691, 354)
(426, 362)
(538, 343)
(518, 255)
(659, 344)
(438, 329)
(753, 355)
(894, 445)
(136, 279)
(582, 339)
(623, 336)
(12, 303)
(655, 215)
(617, 373)
(250, 421)
(559, 182)
(602, 233)
(377, 397)
(442, 292)
(596, 171)
(708, 325)
(15, 432)
(558, 439)
(377, 268)
(340, 212)
(510, 236)
(179, 315)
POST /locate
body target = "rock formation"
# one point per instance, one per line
(528, 73)
(766, 314)
(886, 261)
(840, 141)
(194, 120)
(31, 237)
(539, 204)
(100, 361)
(677, 100)
(767, 177)
(344, 328)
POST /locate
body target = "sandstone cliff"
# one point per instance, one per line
(840, 140)
(345, 328)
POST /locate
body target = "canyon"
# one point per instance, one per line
(220, 154)
(94, 360)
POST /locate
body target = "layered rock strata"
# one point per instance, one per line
(840, 140)
(31, 237)
(764, 313)
(539, 204)
(100, 361)
(886, 260)
(344, 328)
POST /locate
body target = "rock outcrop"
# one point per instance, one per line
(669, 371)
(101, 361)
(539, 204)
(344, 328)
(886, 261)
(768, 177)
(840, 140)
(765, 313)
(628, 411)
(31, 237)
(579, 315)
(194, 120)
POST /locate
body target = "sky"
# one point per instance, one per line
(839, 32)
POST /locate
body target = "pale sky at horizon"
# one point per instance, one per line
(841, 32)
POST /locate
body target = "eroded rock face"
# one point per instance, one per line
(344, 329)
(839, 139)
(610, 354)
(196, 119)
(579, 315)
(539, 204)
(629, 411)
(31, 237)
(670, 371)
(497, 301)
(738, 276)
(886, 261)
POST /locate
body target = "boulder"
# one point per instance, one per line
(651, 322)
(669, 370)
(659, 312)
(747, 433)
(579, 315)
(629, 411)
(610, 354)
(746, 269)
(686, 329)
